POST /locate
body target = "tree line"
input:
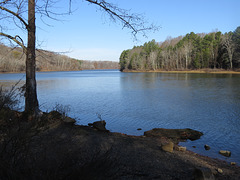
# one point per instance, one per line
(13, 60)
(214, 50)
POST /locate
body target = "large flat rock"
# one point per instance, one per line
(175, 134)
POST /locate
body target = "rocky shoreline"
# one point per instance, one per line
(53, 147)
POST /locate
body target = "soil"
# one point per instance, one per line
(53, 147)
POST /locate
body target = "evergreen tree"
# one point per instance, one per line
(236, 41)
(193, 51)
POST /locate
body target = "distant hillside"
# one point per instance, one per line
(13, 60)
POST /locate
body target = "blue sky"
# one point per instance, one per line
(89, 35)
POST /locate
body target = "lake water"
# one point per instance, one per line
(127, 101)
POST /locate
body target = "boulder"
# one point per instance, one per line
(181, 148)
(175, 134)
(207, 147)
(225, 153)
(99, 125)
(90, 124)
(168, 147)
(69, 120)
(219, 170)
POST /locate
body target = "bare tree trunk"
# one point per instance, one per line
(230, 59)
(31, 102)
(230, 47)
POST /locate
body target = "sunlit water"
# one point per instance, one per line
(127, 101)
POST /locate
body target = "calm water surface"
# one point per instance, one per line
(127, 101)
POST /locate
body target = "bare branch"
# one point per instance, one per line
(3, 2)
(105, 6)
(135, 22)
(15, 39)
(15, 14)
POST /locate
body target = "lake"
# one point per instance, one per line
(127, 101)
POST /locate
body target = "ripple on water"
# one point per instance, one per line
(127, 101)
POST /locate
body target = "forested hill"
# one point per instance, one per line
(13, 60)
(192, 51)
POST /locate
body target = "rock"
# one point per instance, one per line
(225, 153)
(175, 134)
(207, 147)
(139, 129)
(233, 163)
(100, 125)
(181, 148)
(69, 120)
(219, 170)
(203, 174)
(168, 147)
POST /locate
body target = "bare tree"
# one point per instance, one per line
(187, 49)
(229, 45)
(23, 13)
(31, 101)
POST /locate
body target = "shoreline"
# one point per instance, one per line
(23, 72)
(60, 149)
(201, 71)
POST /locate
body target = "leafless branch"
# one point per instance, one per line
(3, 2)
(135, 22)
(15, 15)
(17, 39)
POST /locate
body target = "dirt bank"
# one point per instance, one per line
(52, 147)
(199, 71)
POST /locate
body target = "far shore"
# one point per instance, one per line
(5, 72)
(199, 71)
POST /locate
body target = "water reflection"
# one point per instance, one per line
(206, 102)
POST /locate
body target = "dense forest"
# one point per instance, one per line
(13, 60)
(192, 51)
